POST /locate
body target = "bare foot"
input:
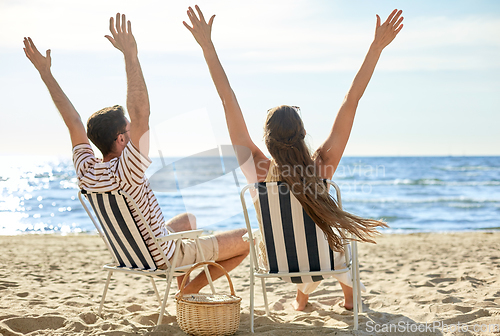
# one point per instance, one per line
(300, 302)
(347, 306)
(348, 302)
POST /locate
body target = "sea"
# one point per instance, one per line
(39, 194)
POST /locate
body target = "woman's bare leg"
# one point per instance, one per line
(301, 301)
(348, 294)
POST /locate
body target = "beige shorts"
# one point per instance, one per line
(188, 253)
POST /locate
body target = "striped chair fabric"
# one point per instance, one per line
(297, 250)
(117, 227)
(122, 234)
(294, 243)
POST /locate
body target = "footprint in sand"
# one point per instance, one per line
(467, 317)
(440, 281)
(79, 304)
(8, 284)
(434, 275)
(88, 318)
(77, 327)
(27, 325)
(151, 319)
(451, 299)
(307, 319)
(279, 305)
(134, 308)
(424, 284)
(443, 291)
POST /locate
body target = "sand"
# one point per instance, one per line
(51, 285)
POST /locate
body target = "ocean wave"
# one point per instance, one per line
(458, 200)
(467, 205)
(466, 168)
(422, 182)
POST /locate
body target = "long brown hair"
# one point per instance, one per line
(284, 136)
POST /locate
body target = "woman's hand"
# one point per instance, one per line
(330, 152)
(386, 32)
(201, 30)
(41, 63)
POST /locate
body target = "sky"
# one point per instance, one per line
(435, 91)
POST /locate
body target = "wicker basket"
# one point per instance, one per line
(208, 314)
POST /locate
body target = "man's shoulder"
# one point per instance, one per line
(132, 150)
(133, 161)
(82, 147)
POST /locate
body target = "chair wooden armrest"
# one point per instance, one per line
(192, 234)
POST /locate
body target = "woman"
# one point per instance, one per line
(291, 160)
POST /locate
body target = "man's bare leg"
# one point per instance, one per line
(182, 222)
(232, 250)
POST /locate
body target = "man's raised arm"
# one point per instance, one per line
(137, 93)
(70, 116)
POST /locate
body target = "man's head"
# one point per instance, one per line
(105, 127)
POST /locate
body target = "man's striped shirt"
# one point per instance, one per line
(125, 173)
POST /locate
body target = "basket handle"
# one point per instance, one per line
(201, 263)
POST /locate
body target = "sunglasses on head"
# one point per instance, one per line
(296, 108)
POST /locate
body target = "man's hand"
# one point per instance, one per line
(68, 113)
(42, 64)
(386, 32)
(201, 30)
(137, 92)
(122, 39)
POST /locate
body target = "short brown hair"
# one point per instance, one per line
(104, 126)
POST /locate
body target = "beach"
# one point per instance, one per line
(417, 284)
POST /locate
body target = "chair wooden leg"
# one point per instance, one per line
(104, 292)
(264, 292)
(252, 293)
(205, 267)
(170, 276)
(355, 286)
(360, 304)
(156, 290)
(209, 278)
(355, 294)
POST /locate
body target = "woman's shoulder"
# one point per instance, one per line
(323, 169)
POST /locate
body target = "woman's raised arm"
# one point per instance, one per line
(236, 125)
(330, 152)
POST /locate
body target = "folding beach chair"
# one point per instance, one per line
(124, 241)
(296, 248)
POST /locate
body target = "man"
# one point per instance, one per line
(125, 148)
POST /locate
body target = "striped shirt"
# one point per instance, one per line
(125, 173)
